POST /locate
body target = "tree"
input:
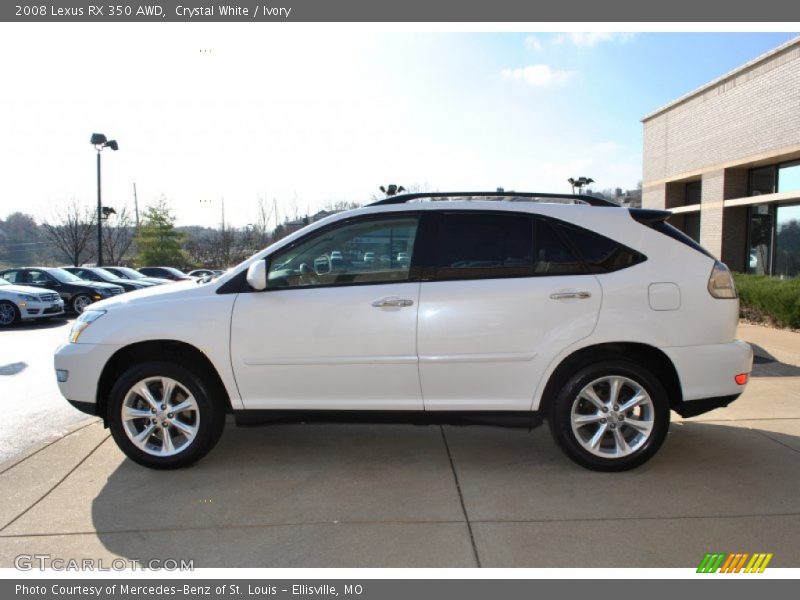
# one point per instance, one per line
(118, 239)
(71, 233)
(18, 239)
(158, 241)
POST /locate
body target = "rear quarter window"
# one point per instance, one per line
(599, 253)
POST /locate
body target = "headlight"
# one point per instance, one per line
(28, 298)
(103, 291)
(81, 323)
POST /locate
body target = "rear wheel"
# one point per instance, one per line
(164, 416)
(9, 314)
(610, 416)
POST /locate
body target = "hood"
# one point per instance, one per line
(26, 289)
(179, 290)
(96, 284)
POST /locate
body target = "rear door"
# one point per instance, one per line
(504, 294)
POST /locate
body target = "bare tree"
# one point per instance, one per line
(71, 232)
(117, 240)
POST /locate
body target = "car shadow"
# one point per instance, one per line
(13, 368)
(766, 365)
(356, 495)
(50, 323)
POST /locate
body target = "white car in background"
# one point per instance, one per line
(22, 302)
(512, 308)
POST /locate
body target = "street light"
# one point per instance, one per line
(392, 189)
(99, 142)
(579, 183)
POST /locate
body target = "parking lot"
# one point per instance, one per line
(390, 496)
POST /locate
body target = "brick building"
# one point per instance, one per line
(725, 159)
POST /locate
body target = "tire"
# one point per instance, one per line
(79, 303)
(203, 414)
(594, 435)
(9, 314)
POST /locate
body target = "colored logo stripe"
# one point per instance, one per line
(733, 563)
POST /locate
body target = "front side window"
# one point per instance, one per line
(479, 246)
(363, 252)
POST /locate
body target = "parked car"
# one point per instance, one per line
(101, 274)
(165, 273)
(513, 309)
(205, 273)
(76, 293)
(134, 275)
(20, 302)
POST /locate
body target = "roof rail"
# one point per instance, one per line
(518, 196)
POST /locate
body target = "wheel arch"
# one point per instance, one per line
(645, 355)
(179, 352)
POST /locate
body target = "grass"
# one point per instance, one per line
(770, 298)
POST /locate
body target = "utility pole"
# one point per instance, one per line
(136, 205)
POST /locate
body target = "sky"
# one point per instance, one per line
(213, 114)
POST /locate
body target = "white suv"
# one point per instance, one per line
(511, 307)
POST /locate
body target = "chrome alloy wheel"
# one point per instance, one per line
(612, 416)
(81, 303)
(8, 313)
(160, 416)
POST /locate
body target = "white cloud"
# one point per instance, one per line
(539, 75)
(533, 43)
(592, 38)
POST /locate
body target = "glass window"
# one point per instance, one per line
(759, 257)
(479, 246)
(694, 191)
(14, 276)
(762, 181)
(600, 254)
(373, 251)
(789, 177)
(787, 241)
(553, 257)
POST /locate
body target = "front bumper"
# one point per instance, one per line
(707, 374)
(41, 310)
(79, 367)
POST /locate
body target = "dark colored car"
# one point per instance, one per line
(134, 275)
(165, 272)
(76, 293)
(206, 273)
(100, 274)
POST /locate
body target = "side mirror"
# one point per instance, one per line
(257, 275)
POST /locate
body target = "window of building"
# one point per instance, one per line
(691, 225)
(694, 191)
(789, 177)
(787, 241)
(759, 259)
(762, 181)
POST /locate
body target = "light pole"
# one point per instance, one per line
(579, 183)
(99, 142)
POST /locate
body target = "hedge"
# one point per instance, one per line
(776, 299)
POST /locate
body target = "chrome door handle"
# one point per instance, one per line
(387, 302)
(571, 295)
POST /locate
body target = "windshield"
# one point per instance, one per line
(104, 274)
(130, 273)
(63, 276)
(175, 271)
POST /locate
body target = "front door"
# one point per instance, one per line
(336, 327)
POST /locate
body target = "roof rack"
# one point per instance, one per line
(513, 196)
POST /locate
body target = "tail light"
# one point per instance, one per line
(720, 283)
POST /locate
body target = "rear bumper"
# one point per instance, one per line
(707, 374)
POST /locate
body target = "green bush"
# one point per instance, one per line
(773, 298)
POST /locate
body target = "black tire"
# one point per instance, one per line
(9, 310)
(560, 417)
(210, 413)
(77, 303)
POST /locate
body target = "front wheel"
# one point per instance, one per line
(164, 416)
(9, 314)
(80, 302)
(610, 416)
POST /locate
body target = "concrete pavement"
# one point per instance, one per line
(328, 495)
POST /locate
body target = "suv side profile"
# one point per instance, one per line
(501, 308)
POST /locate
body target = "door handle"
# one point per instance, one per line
(571, 295)
(393, 301)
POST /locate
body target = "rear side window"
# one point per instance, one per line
(599, 253)
(480, 245)
(553, 256)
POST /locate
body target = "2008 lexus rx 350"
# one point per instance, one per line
(505, 308)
